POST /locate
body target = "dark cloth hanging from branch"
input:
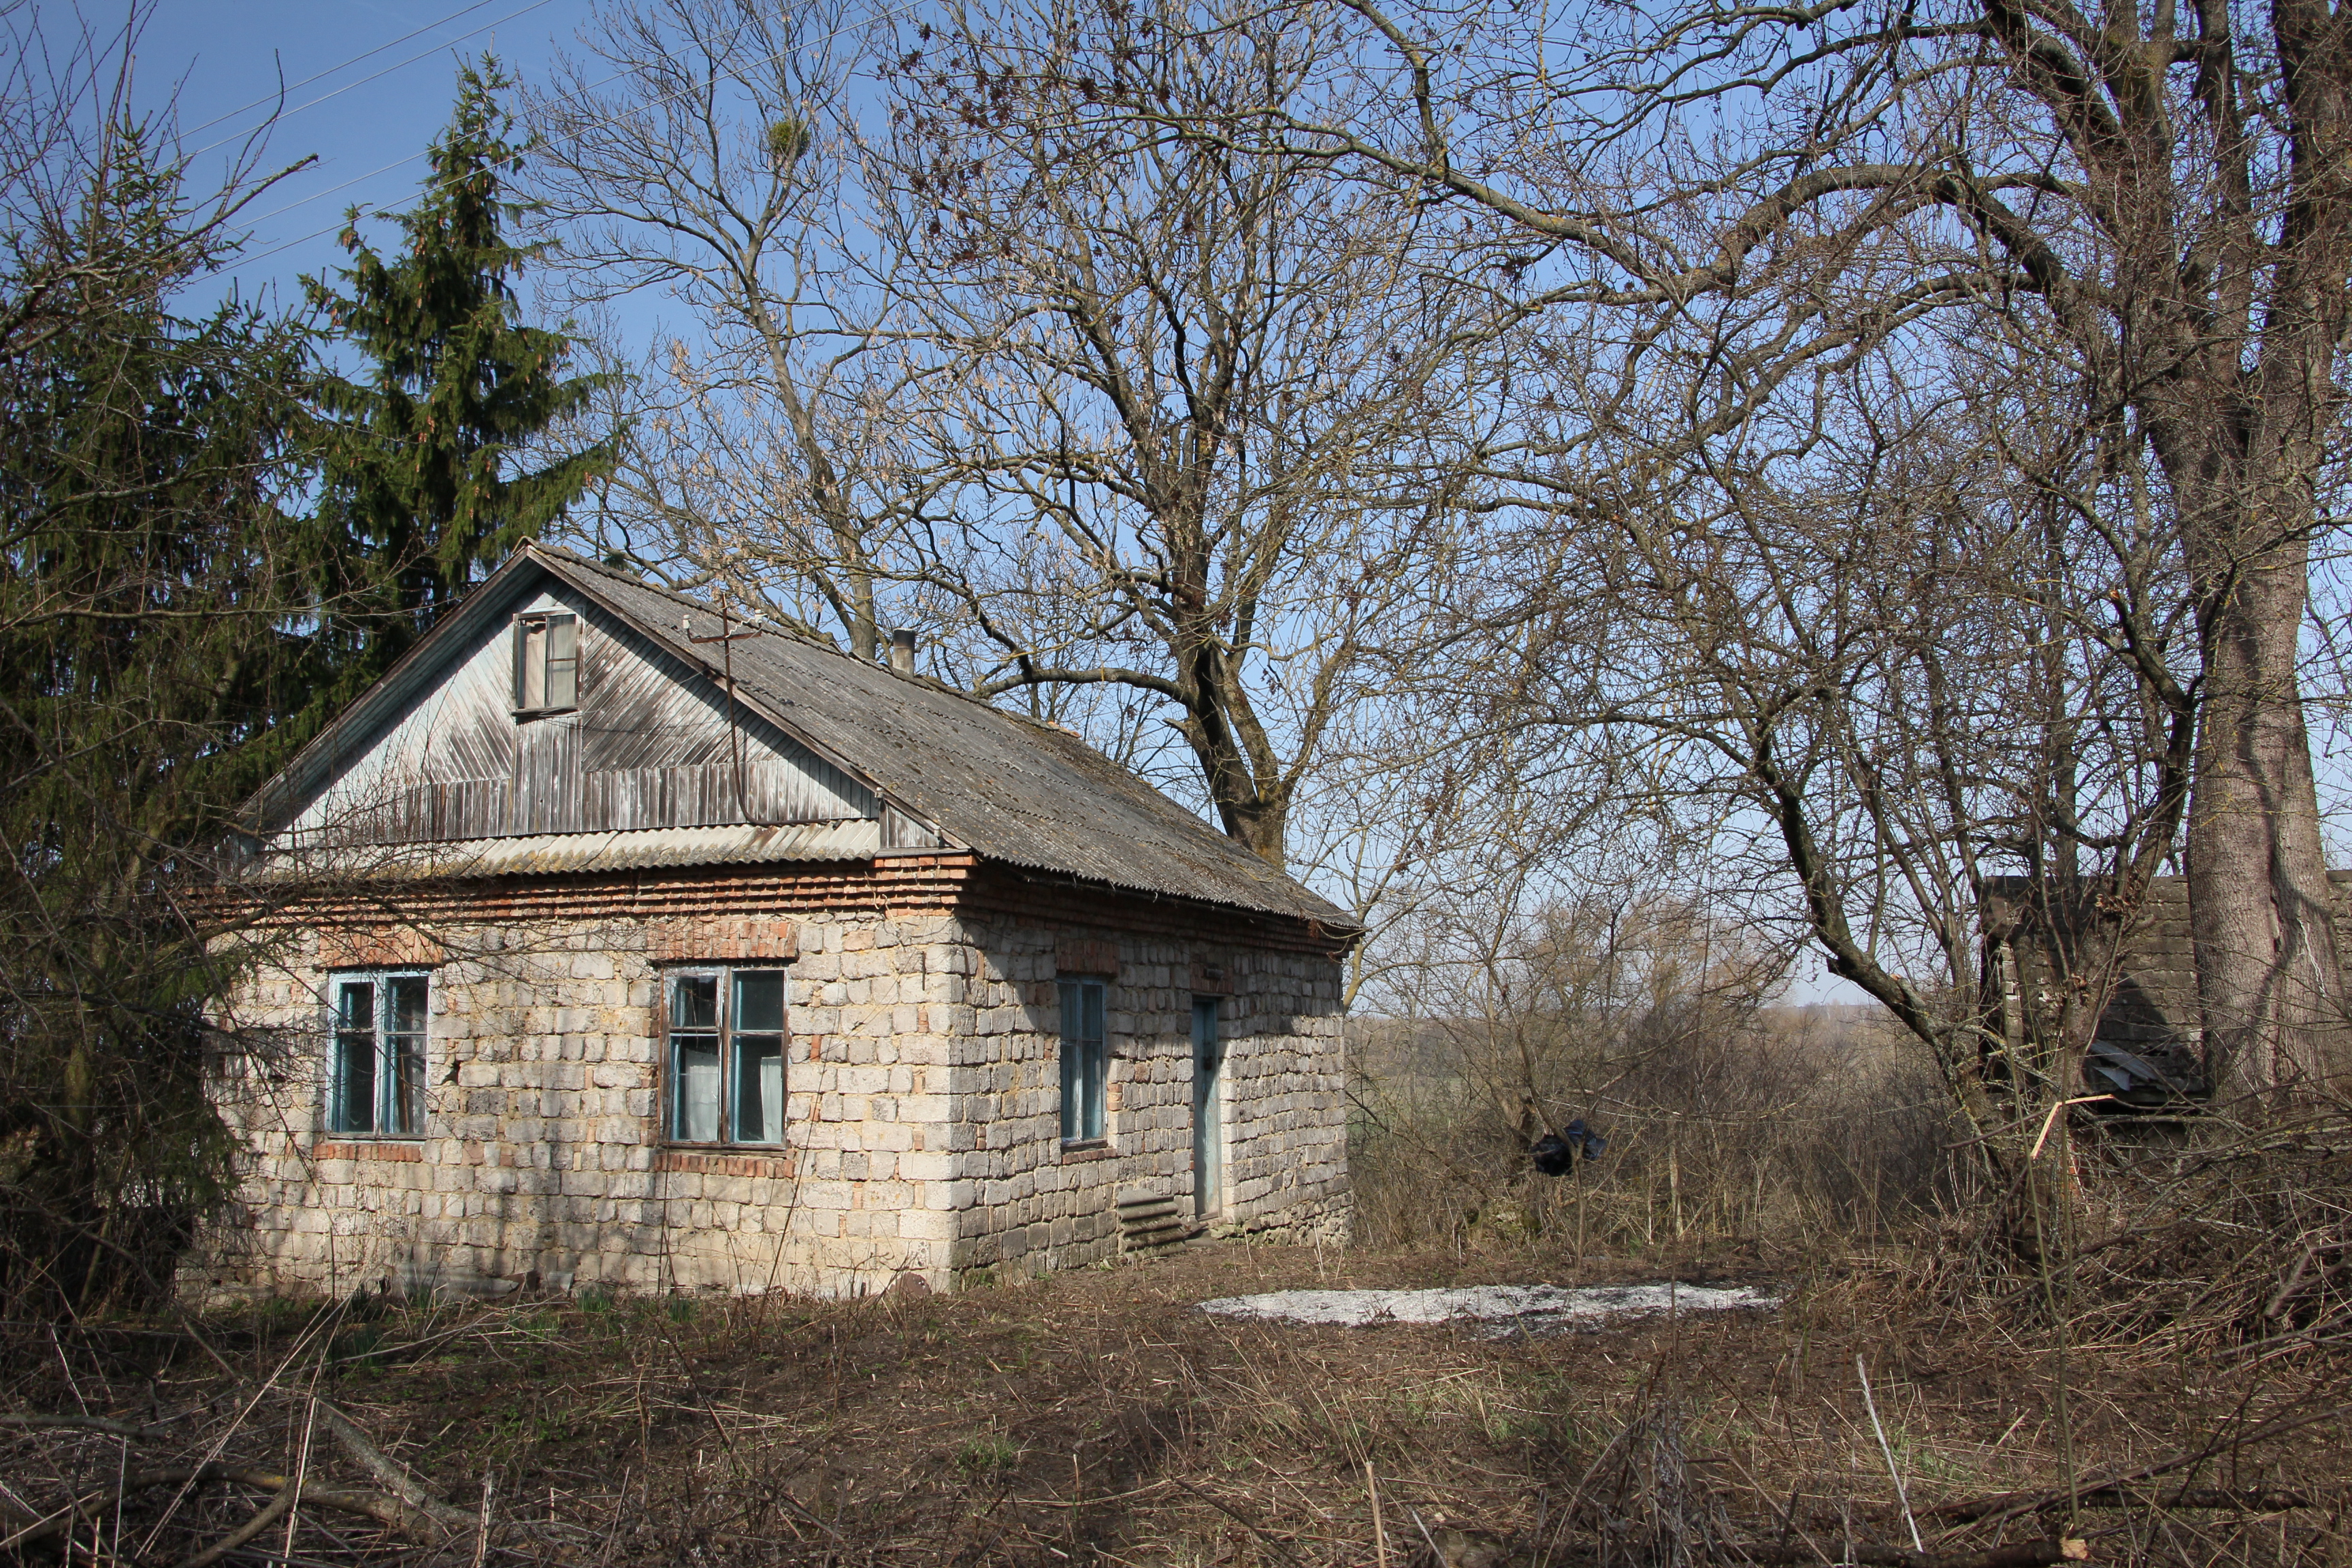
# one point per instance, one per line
(1555, 1153)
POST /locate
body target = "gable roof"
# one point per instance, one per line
(1008, 788)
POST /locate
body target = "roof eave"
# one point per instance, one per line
(1336, 921)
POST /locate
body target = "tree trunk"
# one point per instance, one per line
(1250, 800)
(2245, 449)
(2260, 906)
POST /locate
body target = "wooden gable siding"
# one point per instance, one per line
(649, 746)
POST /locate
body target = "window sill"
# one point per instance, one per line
(1076, 1151)
(724, 1160)
(402, 1147)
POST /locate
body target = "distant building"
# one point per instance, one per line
(2147, 1050)
(621, 944)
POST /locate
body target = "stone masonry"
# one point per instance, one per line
(922, 1079)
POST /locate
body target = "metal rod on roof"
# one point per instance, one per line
(726, 639)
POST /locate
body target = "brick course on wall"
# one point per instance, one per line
(922, 1131)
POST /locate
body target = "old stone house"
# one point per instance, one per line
(613, 942)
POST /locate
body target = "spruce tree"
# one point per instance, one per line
(422, 461)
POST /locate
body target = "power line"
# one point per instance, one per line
(321, 195)
(360, 179)
(387, 70)
(340, 65)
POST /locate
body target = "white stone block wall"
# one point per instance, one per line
(1028, 1203)
(922, 1131)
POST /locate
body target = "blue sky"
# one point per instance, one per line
(367, 119)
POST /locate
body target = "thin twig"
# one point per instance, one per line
(276, 1508)
(482, 1529)
(1901, 1492)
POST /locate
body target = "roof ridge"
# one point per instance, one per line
(759, 625)
(823, 645)
(977, 800)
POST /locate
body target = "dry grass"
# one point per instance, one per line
(1779, 1129)
(2166, 1381)
(1099, 1416)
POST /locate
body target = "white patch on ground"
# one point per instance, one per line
(1498, 1310)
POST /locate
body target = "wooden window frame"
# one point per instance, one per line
(728, 1044)
(391, 1067)
(557, 672)
(1084, 1061)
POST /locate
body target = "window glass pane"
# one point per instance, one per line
(759, 1002)
(694, 1001)
(1094, 1063)
(694, 1058)
(563, 661)
(1073, 1076)
(404, 1113)
(694, 1072)
(759, 1068)
(408, 995)
(1097, 1058)
(405, 1048)
(530, 663)
(350, 1094)
(1083, 1058)
(355, 1005)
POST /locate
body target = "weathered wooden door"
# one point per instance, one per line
(1208, 1110)
(547, 776)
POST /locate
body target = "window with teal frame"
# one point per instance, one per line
(726, 1057)
(375, 1085)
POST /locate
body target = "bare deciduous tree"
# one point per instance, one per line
(1177, 385)
(1915, 648)
(2163, 193)
(701, 151)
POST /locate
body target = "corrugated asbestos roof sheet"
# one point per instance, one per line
(638, 851)
(1008, 788)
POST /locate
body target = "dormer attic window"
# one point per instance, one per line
(547, 663)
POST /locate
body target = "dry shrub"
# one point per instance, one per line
(2227, 1236)
(1770, 1126)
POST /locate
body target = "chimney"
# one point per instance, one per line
(902, 650)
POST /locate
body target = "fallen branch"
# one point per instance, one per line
(2243, 1500)
(29, 1423)
(411, 1508)
(395, 1477)
(2028, 1554)
(417, 1524)
(1246, 1523)
(2008, 1505)
(1089, 1502)
(271, 1513)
